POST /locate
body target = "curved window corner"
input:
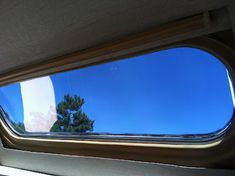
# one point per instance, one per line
(180, 93)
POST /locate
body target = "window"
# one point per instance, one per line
(178, 91)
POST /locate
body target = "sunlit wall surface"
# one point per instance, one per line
(175, 91)
(39, 106)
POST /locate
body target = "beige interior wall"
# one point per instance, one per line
(91, 166)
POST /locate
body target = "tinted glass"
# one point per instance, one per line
(172, 92)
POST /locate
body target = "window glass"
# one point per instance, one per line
(177, 91)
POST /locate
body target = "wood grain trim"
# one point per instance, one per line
(107, 52)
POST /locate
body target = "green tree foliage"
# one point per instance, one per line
(70, 117)
(19, 127)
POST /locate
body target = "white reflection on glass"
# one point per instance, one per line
(39, 104)
(231, 88)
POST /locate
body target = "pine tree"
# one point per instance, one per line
(70, 117)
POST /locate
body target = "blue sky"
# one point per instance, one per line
(174, 91)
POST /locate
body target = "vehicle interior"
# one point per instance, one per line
(112, 52)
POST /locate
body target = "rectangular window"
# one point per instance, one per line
(179, 91)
